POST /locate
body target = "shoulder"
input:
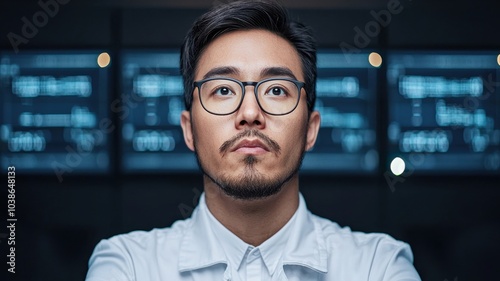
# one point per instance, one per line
(153, 238)
(337, 236)
(369, 254)
(137, 254)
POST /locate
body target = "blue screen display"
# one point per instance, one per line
(152, 138)
(346, 90)
(444, 111)
(52, 108)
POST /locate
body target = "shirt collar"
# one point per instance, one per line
(306, 245)
(199, 247)
(206, 241)
(273, 248)
(234, 248)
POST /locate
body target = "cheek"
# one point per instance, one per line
(280, 126)
(209, 133)
(293, 127)
(289, 124)
(291, 135)
(204, 137)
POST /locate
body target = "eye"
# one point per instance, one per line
(223, 91)
(277, 91)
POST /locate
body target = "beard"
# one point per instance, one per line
(251, 184)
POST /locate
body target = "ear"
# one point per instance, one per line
(187, 129)
(312, 129)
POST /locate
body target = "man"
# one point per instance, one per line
(249, 76)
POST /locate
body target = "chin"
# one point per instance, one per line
(247, 181)
(251, 184)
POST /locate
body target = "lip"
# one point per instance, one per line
(250, 147)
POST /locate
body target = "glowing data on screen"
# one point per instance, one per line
(346, 90)
(152, 138)
(53, 105)
(444, 111)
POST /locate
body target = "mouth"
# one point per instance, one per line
(250, 142)
(253, 147)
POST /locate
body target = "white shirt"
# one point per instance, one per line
(202, 249)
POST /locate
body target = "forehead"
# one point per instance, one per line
(249, 52)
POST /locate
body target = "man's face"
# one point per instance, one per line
(249, 154)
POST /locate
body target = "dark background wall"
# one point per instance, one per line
(451, 222)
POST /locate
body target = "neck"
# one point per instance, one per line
(253, 221)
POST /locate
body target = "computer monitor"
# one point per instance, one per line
(53, 105)
(152, 139)
(444, 111)
(346, 91)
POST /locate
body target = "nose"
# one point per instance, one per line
(250, 114)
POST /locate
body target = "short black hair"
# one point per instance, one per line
(247, 15)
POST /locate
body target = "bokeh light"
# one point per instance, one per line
(103, 60)
(375, 59)
(398, 166)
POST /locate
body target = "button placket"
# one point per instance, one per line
(254, 265)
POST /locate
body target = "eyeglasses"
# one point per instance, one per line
(223, 96)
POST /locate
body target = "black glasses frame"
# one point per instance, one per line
(299, 84)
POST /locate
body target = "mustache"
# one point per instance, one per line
(272, 145)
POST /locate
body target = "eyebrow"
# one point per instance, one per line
(221, 71)
(277, 71)
(266, 72)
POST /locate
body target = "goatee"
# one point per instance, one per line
(251, 184)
